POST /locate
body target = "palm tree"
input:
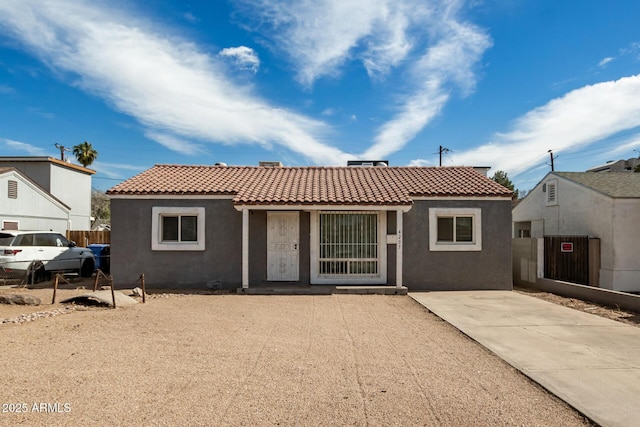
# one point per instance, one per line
(85, 154)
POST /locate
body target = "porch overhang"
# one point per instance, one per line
(397, 237)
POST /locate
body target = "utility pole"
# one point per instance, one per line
(443, 150)
(552, 157)
(62, 149)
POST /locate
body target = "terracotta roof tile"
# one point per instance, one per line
(255, 185)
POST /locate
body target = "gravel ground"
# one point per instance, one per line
(625, 316)
(261, 360)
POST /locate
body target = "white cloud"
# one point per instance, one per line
(571, 122)
(23, 147)
(173, 143)
(119, 58)
(244, 57)
(605, 61)
(447, 64)
(190, 17)
(116, 170)
(319, 36)
(426, 42)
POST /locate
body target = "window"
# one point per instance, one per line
(348, 247)
(455, 229)
(177, 229)
(348, 243)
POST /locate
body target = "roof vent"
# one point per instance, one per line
(271, 164)
(367, 162)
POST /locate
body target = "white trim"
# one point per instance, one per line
(156, 240)
(399, 249)
(172, 196)
(475, 213)
(245, 249)
(380, 278)
(316, 208)
(463, 198)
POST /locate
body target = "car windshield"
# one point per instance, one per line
(6, 239)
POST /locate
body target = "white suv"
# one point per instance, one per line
(33, 255)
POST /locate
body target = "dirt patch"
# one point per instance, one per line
(263, 360)
(613, 313)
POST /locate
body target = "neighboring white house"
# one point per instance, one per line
(600, 205)
(617, 166)
(24, 205)
(68, 183)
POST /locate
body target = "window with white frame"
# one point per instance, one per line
(455, 229)
(177, 229)
(348, 247)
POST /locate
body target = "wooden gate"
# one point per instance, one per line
(566, 258)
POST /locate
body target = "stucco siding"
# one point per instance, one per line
(489, 268)
(626, 262)
(131, 254)
(74, 189)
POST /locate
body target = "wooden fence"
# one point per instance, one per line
(86, 237)
(566, 258)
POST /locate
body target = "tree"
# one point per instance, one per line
(85, 153)
(501, 178)
(100, 207)
(637, 168)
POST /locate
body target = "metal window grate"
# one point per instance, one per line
(348, 243)
(13, 189)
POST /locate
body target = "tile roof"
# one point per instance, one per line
(613, 184)
(255, 185)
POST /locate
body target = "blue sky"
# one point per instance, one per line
(320, 82)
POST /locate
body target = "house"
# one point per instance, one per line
(605, 206)
(70, 184)
(437, 228)
(24, 205)
(617, 166)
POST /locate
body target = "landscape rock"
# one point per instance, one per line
(19, 299)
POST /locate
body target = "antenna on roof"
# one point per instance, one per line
(62, 149)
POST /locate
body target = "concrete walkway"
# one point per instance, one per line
(590, 362)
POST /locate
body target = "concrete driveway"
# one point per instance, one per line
(590, 362)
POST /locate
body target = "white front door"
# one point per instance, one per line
(282, 246)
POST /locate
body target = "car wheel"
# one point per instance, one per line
(87, 268)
